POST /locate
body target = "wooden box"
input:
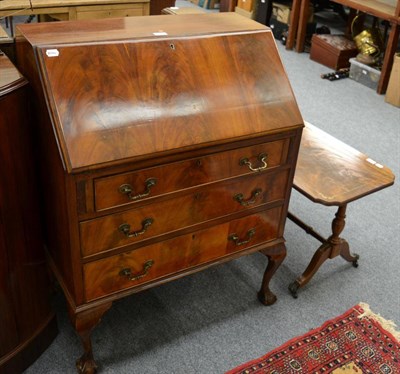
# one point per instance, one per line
(168, 144)
(333, 51)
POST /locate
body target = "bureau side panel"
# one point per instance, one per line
(293, 152)
(55, 183)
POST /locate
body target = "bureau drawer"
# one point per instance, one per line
(145, 264)
(198, 205)
(132, 187)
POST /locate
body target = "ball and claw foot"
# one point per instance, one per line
(86, 365)
(268, 299)
(293, 287)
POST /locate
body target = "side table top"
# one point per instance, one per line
(330, 172)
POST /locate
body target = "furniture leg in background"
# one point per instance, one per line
(302, 28)
(294, 21)
(388, 58)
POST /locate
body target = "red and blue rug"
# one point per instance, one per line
(358, 341)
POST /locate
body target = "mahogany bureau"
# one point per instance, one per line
(168, 144)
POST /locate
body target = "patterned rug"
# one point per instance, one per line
(358, 341)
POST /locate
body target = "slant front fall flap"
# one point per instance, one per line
(142, 94)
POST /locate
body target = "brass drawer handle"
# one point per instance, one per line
(262, 157)
(240, 199)
(239, 242)
(127, 189)
(128, 272)
(125, 228)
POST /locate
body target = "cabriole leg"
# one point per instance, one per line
(84, 323)
(275, 257)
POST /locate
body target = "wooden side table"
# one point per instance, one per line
(331, 173)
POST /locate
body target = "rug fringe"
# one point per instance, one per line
(388, 325)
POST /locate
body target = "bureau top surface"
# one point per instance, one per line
(158, 87)
(129, 28)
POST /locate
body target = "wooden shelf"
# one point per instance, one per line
(384, 9)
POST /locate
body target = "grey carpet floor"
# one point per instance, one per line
(211, 321)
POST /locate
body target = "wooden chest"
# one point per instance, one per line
(168, 145)
(333, 51)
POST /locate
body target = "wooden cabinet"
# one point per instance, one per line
(27, 323)
(168, 145)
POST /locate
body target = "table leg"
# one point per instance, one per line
(330, 248)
